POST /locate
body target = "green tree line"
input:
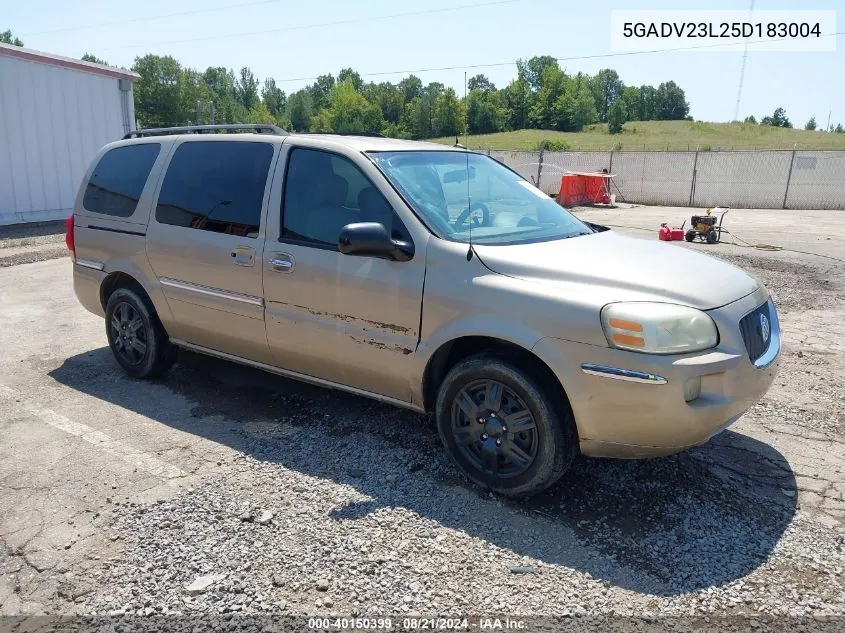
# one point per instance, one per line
(542, 96)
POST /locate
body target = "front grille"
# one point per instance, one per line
(752, 326)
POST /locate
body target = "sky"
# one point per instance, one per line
(295, 40)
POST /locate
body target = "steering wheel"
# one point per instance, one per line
(485, 215)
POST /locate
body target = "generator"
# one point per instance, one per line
(704, 227)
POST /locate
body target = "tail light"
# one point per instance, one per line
(69, 238)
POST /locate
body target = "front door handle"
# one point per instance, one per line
(282, 262)
(243, 256)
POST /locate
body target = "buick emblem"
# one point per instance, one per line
(765, 328)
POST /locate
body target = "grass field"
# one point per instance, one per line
(662, 135)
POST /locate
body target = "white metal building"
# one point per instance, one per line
(55, 113)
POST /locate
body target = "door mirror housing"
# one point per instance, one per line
(371, 239)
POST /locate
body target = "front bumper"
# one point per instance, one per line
(642, 411)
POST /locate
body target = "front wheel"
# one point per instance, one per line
(502, 428)
(712, 237)
(690, 235)
(136, 337)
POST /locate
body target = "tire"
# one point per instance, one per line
(690, 235)
(136, 336)
(712, 237)
(469, 430)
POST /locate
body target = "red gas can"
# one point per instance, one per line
(668, 234)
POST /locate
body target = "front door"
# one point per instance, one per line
(205, 244)
(346, 319)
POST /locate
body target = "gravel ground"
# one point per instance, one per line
(310, 502)
(35, 242)
(339, 505)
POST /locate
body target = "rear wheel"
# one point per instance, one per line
(690, 235)
(136, 337)
(712, 237)
(502, 428)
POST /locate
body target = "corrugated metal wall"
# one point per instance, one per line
(52, 122)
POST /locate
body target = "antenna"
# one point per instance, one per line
(742, 69)
(466, 153)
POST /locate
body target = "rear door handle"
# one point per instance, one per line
(282, 262)
(243, 256)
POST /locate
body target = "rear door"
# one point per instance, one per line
(205, 243)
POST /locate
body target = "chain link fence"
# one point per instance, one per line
(762, 179)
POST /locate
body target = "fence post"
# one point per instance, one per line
(540, 165)
(789, 176)
(610, 167)
(199, 112)
(694, 173)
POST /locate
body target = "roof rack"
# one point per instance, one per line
(366, 134)
(260, 128)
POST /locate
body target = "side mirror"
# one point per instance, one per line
(370, 239)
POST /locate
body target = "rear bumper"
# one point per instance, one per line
(86, 284)
(643, 412)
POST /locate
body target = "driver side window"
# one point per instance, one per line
(323, 193)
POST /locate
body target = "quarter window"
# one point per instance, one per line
(119, 178)
(325, 192)
(216, 186)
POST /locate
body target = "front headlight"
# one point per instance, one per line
(658, 328)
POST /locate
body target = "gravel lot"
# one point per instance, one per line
(221, 489)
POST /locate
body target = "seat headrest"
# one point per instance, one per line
(332, 192)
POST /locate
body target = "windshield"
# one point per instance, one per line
(459, 192)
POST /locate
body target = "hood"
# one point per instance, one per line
(623, 268)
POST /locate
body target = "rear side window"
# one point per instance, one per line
(216, 186)
(119, 178)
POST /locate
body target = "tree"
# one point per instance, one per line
(274, 98)
(247, 88)
(517, 99)
(778, 119)
(673, 105)
(480, 82)
(839, 129)
(616, 117)
(649, 103)
(632, 99)
(411, 88)
(157, 95)
(811, 124)
(348, 112)
(581, 110)
(750, 119)
(607, 88)
(320, 90)
(546, 111)
(485, 112)
(447, 114)
(300, 110)
(260, 113)
(532, 70)
(347, 74)
(88, 57)
(6, 37)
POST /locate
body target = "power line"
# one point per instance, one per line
(560, 59)
(317, 25)
(150, 18)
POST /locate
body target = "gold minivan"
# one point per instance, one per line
(424, 276)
